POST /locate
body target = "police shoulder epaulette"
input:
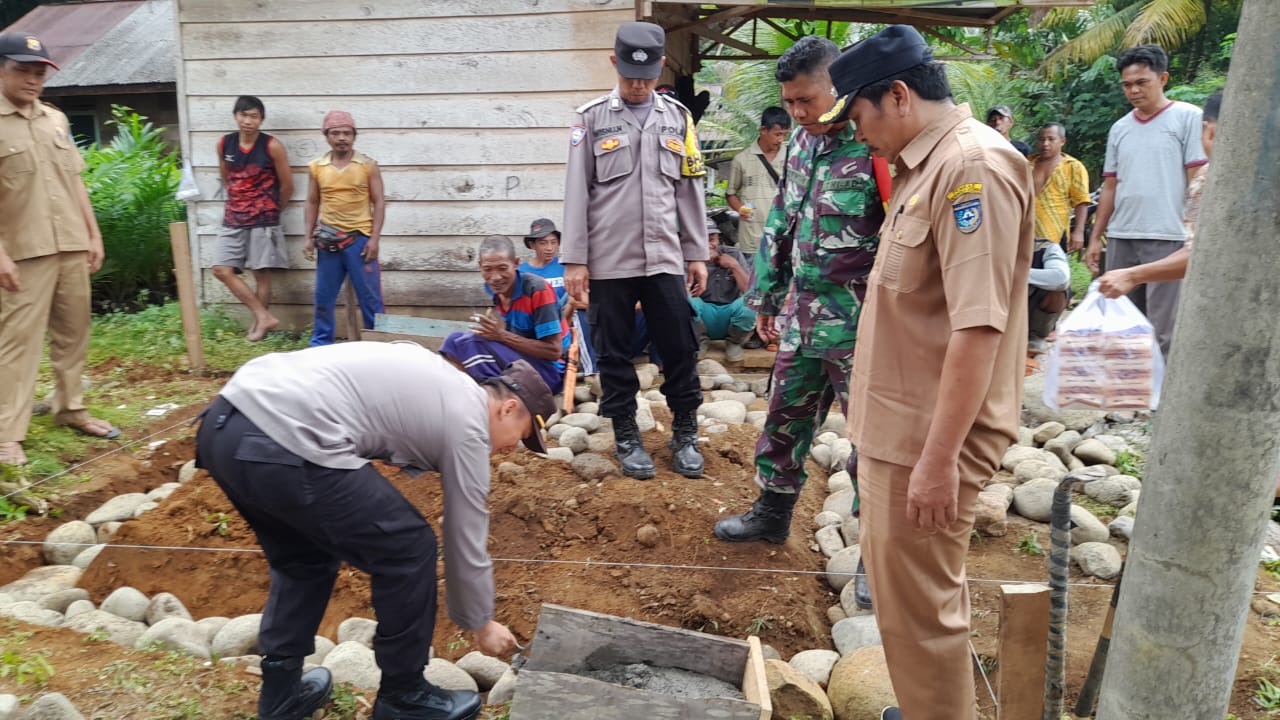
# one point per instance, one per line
(590, 104)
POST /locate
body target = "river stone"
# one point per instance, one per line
(711, 367)
(1039, 468)
(826, 518)
(30, 612)
(1004, 491)
(163, 492)
(849, 603)
(822, 455)
(352, 662)
(793, 694)
(826, 438)
(1122, 527)
(859, 686)
(1116, 443)
(212, 625)
(8, 707)
(78, 607)
(1098, 559)
(324, 646)
(1085, 527)
(555, 431)
(186, 472)
(166, 605)
(62, 599)
(67, 541)
(760, 386)
(446, 675)
(840, 502)
(239, 636)
(991, 514)
(1016, 455)
(830, 540)
(145, 508)
(855, 633)
(1062, 445)
(729, 411)
(1002, 477)
(118, 630)
(1026, 437)
(723, 381)
(42, 581)
(176, 633)
(815, 664)
(52, 706)
(835, 614)
(746, 398)
(1116, 491)
(485, 670)
(849, 529)
(582, 394)
(645, 420)
(1047, 431)
(842, 566)
(601, 442)
(108, 530)
(503, 690)
(128, 603)
(559, 453)
(841, 451)
(119, 508)
(590, 423)
(357, 629)
(86, 558)
(1033, 404)
(1034, 500)
(834, 423)
(1094, 452)
(574, 438)
(645, 378)
(594, 467)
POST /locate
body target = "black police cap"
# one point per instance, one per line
(639, 47)
(885, 54)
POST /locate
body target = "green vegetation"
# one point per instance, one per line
(759, 625)
(1130, 463)
(219, 521)
(1029, 545)
(34, 668)
(10, 511)
(345, 702)
(1104, 512)
(1267, 696)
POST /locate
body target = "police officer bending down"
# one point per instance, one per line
(634, 216)
(289, 441)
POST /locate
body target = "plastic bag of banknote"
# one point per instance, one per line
(1105, 358)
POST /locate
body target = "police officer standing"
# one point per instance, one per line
(635, 230)
(935, 394)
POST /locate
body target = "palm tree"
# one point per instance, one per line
(1116, 24)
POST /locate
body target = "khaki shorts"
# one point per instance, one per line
(256, 248)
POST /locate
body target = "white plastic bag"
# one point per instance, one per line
(188, 191)
(1106, 357)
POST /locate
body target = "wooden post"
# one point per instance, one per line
(353, 313)
(187, 294)
(1023, 646)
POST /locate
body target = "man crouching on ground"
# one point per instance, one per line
(289, 440)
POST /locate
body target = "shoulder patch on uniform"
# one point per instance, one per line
(576, 133)
(590, 104)
(965, 189)
(968, 215)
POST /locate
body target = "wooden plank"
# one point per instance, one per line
(755, 684)
(190, 11)
(296, 317)
(523, 109)
(430, 343)
(181, 245)
(427, 327)
(570, 640)
(354, 321)
(563, 696)
(1022, 650)
(530, 32)
(444, 254)
(485, 182)
(419, 218)
(461, 73)
(516, 146)
(297, 287)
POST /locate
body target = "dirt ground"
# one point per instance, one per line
(554, 539)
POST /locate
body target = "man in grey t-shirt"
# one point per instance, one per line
(1152, 153)
(289, 440)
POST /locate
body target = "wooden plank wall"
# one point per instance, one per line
(464, 103)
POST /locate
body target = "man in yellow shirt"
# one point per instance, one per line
(1062, 188)
(345, 210)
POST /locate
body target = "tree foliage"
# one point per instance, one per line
(132, 182)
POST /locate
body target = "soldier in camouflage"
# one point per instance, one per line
(817, 248)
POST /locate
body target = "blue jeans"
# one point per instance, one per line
(366, 278)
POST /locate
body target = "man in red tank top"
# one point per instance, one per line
(255, 174)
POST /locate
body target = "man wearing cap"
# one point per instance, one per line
(544, 240)
(289, 440)
(1000, 119)
(935, 394)
(49, 246)
(719, 311)
(345, 211)
(818, 245)
(529, 324)
(634, 230)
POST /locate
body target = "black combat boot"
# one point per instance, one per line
(862, 588)
(768, 519)
(629, 448)
(413, 698)
(686, 458)
(288, 694)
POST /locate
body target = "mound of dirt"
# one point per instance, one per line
(546, 524)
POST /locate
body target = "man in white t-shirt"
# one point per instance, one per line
(1152, 153)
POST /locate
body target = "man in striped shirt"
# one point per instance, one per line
(528, 325)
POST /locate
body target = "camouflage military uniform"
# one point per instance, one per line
(816, 282)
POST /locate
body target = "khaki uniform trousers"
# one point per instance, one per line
(54, 295)
(919, 589)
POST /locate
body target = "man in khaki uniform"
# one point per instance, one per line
(754, 176)
(49, 245)
(936, 386)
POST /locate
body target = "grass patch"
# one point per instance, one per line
(1104, 512)
(1080, 277)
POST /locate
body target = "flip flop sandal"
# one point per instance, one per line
(112, 434)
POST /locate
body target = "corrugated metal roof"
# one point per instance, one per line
(116, 42)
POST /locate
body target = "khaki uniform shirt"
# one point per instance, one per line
(955, 250)
(749, 180)
(40, 169)
(629, 209)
